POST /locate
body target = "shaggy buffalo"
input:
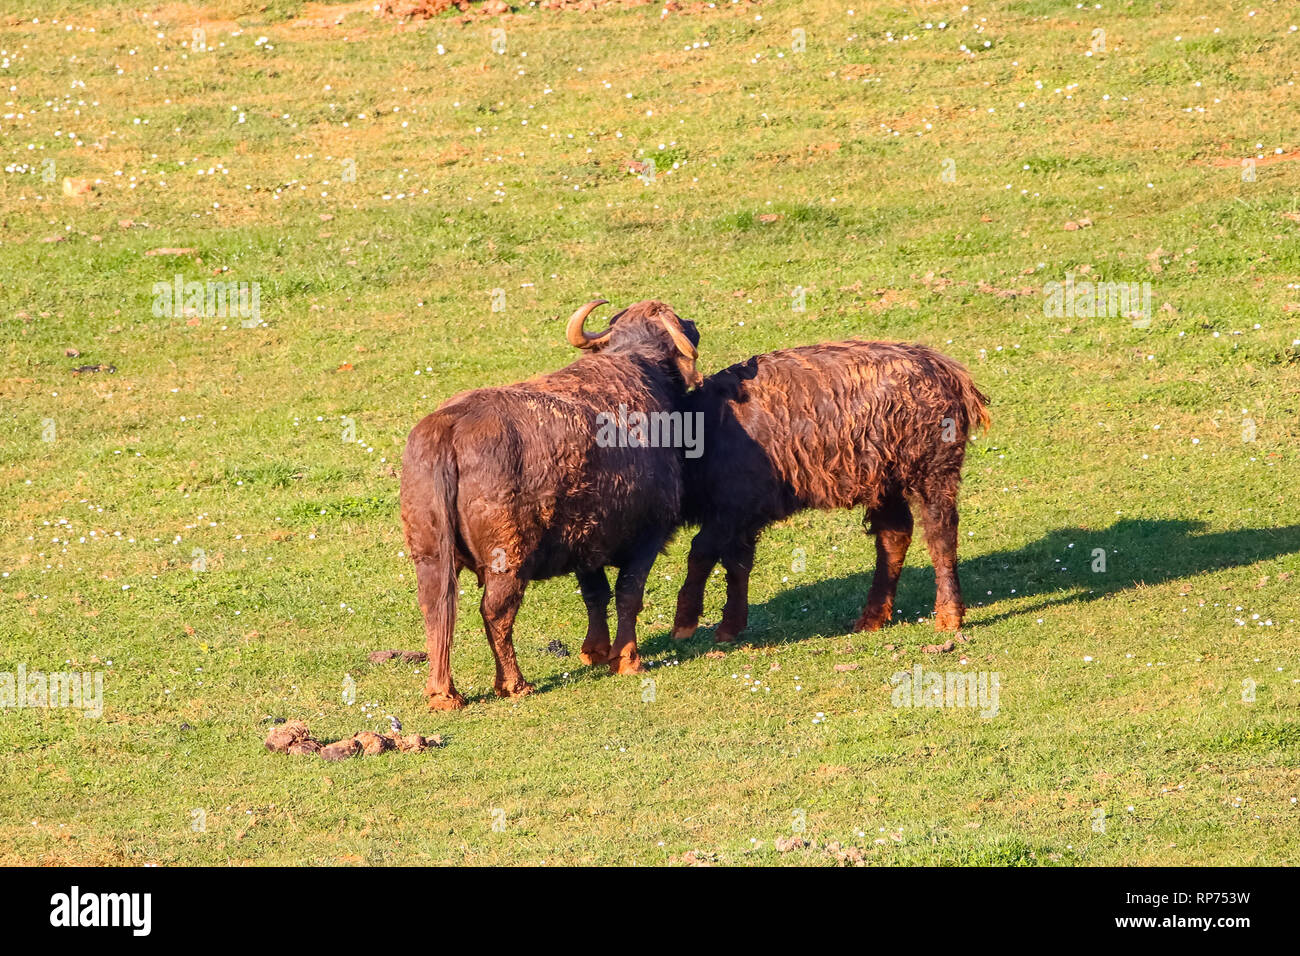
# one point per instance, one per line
(876, 424)
(524, 482)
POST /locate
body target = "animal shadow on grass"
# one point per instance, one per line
(1056, 570)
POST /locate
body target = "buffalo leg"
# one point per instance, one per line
(737, 561)
(891, 523)
(629, 593)
(941, 539)
(595, 594)
(501, 599)
(690, 599)
(437, 604)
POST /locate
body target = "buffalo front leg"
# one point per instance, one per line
(629, 593)
(595, 594)
(501, 599)
(941, 539)
(690, 599)
(737, 561)
(891, 523)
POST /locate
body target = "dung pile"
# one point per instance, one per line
(293, 737)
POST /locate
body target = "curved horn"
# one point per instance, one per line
(574, 332)
(679, 338)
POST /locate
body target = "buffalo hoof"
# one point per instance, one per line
(682, 631)
(947, 619)
(871, 622)
(626, 665)
(518, 690)
(724, 636)
(593, 654)
(452, 701)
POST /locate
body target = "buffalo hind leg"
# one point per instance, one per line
(690, 599)
(941, 539)
(502, 596)
(595, 594)
(432, 593)
(737, 561)
(891, 523)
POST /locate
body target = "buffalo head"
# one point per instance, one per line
(642, 324)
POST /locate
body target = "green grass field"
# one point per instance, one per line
(419, 213)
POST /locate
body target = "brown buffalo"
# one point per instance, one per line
(520, 483)
(877, 424)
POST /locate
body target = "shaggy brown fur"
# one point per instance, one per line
(513, 484)
(876, 424)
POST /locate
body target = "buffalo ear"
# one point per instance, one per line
(686, 351)
(684, 345)
(692, 375)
